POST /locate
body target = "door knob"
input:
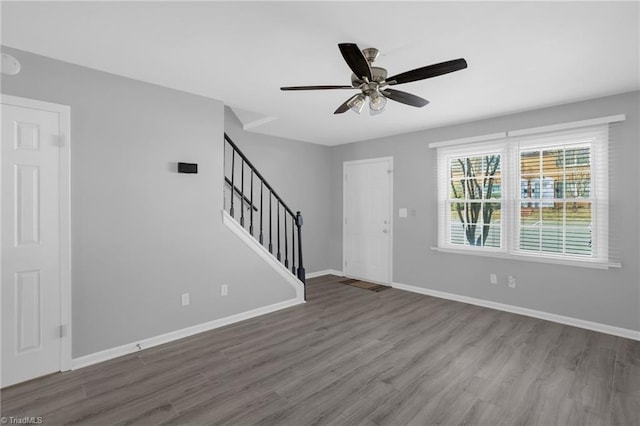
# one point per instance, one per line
(385, 231)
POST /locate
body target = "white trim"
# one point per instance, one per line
(532, 258)
(256, 123)
(161, 339)
(389, 161)
(368, 160)
(324, 272)
(561, 319)
(567, 126)
(530, 131)
(481, 138)
(64, 179)
(33, 103)
(246, 238)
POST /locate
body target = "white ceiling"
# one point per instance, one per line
(521, 56)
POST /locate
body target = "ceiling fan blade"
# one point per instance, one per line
(316, 87)
(404, 97)
(428, 71)
(344, 107)
(355, 59)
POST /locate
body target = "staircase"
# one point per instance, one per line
(252, 202)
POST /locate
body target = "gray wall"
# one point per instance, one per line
(143, 234)
(604, 296)
(300, 173)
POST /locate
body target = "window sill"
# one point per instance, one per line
(539, 259)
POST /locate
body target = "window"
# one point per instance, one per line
(555, 203)
(475, 201)
(540, 195)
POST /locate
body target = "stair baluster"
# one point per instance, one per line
(233, 174)
(286, 251)
(278, 256)
(270, 225)
(251, 212)
(261, 193)
(242, 194)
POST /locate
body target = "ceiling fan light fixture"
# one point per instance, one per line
(377, 102)
(374, 112)
(357, 103)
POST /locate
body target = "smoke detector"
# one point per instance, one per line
(10, 65)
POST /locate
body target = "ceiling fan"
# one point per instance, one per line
(373, 82)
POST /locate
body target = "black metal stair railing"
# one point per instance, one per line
(285, 219)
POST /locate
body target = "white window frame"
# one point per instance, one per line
(509, 148)
(444, 224)
(598, 194)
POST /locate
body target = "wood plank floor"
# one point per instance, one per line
(355, 357)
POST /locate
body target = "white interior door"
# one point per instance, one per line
(31, 256)
(368, 219)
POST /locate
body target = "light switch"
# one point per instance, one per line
(402, 212)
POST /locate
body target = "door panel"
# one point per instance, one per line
(27, 192)
(28, 311)
(31, 294)
(367, 225)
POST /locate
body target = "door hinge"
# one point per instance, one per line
(63, 330)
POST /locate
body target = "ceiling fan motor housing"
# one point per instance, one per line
(379, 75)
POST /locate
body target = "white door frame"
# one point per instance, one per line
(64, 179)
(389, 161)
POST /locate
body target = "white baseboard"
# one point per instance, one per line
(251, 242)
(111, 353)
(324, 272)
(575, 322)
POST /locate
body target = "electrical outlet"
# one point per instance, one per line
(224, 289)
(512, 281)
(185, 299)
(493, 278)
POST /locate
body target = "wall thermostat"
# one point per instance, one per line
(187, 167)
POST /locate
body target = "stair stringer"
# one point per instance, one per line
(261, 251)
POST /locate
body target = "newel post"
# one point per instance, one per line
(301, 273)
